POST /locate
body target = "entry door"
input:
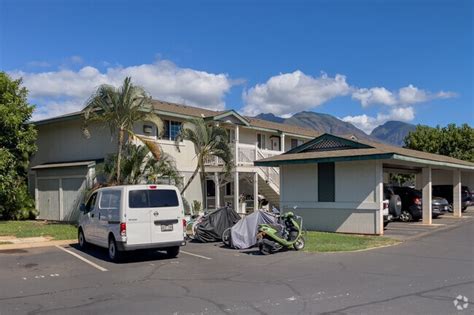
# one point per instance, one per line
(275, 144)
(48, 199)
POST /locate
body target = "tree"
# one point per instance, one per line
(209, 140)
(17, 144)
(138, 167)
(453, 141)
(120, 108)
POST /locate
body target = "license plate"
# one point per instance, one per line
(167, 228)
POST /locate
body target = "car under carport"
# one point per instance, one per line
(336, 183)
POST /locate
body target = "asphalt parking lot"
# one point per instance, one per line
(420, 276)
(409, 230)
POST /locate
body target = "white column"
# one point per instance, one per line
(379, 196)
(457, 193)
(418, 181)
(255, 191)
(426, 197)
(282, 142)
(236, 148)
(236, 192)
(218, 190)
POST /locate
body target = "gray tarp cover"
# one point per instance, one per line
(244, 232)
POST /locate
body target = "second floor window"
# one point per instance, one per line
(261, 141)
(296, 142)
(171, 129)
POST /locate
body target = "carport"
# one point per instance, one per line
(59, 187)
(336, 183)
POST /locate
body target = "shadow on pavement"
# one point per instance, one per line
(128, 257)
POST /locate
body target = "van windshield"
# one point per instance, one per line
(152, 198)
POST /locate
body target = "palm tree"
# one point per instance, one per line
(120, 108)
(139, 168)
(209, 140)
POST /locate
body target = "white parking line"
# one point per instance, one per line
(82, 258)
(195, 255)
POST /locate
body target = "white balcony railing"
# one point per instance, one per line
(246, 155)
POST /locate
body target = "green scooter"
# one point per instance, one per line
(273, 238)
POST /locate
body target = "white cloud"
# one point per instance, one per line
(368, 123)
(378, 95)
(57, 92)
(407, 95)
(293, 92)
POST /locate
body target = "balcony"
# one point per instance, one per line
(247, 154)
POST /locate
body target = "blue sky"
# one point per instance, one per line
(364, 61)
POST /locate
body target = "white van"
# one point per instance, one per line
(124, 218)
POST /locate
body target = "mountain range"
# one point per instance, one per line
(391, 132)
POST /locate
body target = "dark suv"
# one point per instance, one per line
(412, 204)
(446, 191)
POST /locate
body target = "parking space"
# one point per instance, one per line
(409, 230)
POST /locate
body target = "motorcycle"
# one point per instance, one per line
(272, 238)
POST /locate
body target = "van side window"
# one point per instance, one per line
(110, 199)
(152, 198)
(91, 203)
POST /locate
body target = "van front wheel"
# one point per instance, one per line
(81, 239)
(114, 253)
(172, 252)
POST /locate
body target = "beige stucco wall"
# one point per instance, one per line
(356, 208)
(445, 177)
(64, 141)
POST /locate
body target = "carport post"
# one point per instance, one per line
(457, 193)
(426, 197)
(379, 196)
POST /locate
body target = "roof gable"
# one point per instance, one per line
(231, 116)
(328, 142)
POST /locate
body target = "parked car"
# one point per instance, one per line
(412, 204)
(126, 218)
(392, 205)
(446, 191)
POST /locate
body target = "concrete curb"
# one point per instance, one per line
(36, 244)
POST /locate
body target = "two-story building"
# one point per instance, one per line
(65, 165)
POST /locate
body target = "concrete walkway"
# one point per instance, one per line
(11, 242)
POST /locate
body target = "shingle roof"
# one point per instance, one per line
(376, 148)
(259, 123)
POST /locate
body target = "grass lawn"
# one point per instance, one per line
(58, 231)
(335, 242)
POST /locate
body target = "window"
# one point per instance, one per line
(171, 129)
(261, 141)
(210, 188)
(110, 199)
(91, 203)
(326, 182)
(296, 142)
(152, 198)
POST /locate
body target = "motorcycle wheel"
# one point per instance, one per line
(299, 244)
(264, 250)
(227, 237)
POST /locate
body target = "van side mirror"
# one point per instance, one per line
(82, 208)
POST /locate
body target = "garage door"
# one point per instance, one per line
(73, 189)
(48, 199)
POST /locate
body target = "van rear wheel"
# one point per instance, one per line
(114, 253)
(172, 252)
